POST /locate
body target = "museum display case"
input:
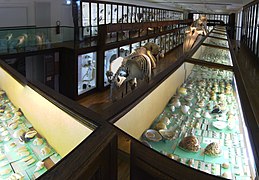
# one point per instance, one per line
(198, 122)
(217, 35)
(213, 54)
(86, 72)
(42, 137)
(216, 42)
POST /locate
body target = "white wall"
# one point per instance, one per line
(24, 11)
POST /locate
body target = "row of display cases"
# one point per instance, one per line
(44, 135)
(199, 126)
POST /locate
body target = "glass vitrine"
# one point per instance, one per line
(202, 126)
(199, 123)
(86, 72)
(213, 54)
(109, 56)
(223, 36)
(34, 131)
(124, 51)
(217, 42)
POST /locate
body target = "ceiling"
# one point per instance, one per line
(202, 6)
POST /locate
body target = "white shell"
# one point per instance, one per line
(177, 103)
(152, 135)
(166, 133)
(185, 109)
(18, 133)
(197, 115)
(39, 166)
(207, 115)
(37, 142)
(172, 108)
(31, 161)
(45, 150)
(30, 134)
(16, 176)
(13, 125)
(5, 171)
(219, 124)
(4, 133)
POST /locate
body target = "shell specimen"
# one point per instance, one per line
(190, 143)
(213, 149)
(152, 135)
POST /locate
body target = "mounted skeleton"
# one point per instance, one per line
(192, 36)
(138, 65)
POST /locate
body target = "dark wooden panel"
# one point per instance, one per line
(146, 163)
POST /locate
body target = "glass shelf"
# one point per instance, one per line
(216, 42)
(218, 35)
(214, 55)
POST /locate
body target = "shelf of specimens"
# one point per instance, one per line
(86, 72)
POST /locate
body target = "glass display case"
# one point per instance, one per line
(213, 34)
(216, 42)
(86, 72)
(213, 54)
(109, 56)
(48, 138)
(202, 126)
(219, 31)
(196, 128)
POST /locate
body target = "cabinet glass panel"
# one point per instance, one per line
(212, 54)
(126, 14)
(120, 15)
(135, 46)
(114, 13)
(86, 72)
(108, 13)
(101, 14)
(85, 14)
(219, 32)
(109, 56)
(124, 51)
(134, 13)
(202, 126)
(144, 42)
(130, 14)
(94, 17)
(217, 42)
(218, 35)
